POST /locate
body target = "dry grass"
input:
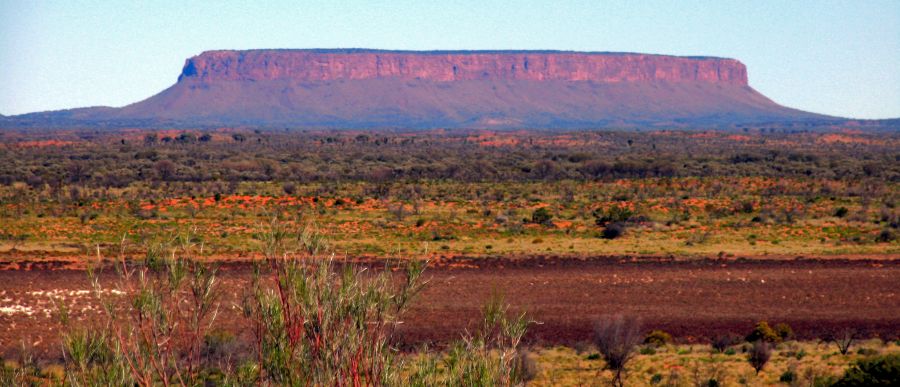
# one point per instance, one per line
(690, 365)
(448, 219)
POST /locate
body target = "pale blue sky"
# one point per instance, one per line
(839, 58)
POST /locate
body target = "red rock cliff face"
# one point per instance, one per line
(443, 66)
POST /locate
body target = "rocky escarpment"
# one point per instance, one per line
(447, 66)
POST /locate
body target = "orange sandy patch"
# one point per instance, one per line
(43, 143)
(563, 224)
(847, 139)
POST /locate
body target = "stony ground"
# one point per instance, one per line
(693, 300)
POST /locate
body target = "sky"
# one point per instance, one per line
(834, 57)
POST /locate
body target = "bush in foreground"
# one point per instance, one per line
(489, 357)
(171, 301)
(874, 371)
(319, 324)
(315, 322)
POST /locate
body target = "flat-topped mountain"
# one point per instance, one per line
(448, 66)
(358, 88)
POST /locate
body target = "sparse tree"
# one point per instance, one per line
(616, 337)
(165, 169)
(844, 339)
(760, 353)
(398, 210)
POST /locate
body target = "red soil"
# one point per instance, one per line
(692, 300)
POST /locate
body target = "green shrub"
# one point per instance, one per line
(722, 342)
(783, 331)
(874, 371)
(219, 347)
(614, 214)
(841, 212)
(657, 338)
(866, 352)
(171, 301)
(541, 216)
(885, 236)
(489, 357)
(322, 325)
(314, 323)
(763, 332)
(787, 377)
(613, 231)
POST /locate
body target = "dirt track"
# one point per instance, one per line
(692, 300)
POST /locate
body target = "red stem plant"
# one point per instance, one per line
(155, 320)
(321, 323)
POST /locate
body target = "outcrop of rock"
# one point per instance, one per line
(359, 88)
(448, 66)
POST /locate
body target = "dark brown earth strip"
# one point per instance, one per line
(693, 300)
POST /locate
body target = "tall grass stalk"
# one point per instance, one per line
(154, 320)
(315, 320)
(320, 322)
